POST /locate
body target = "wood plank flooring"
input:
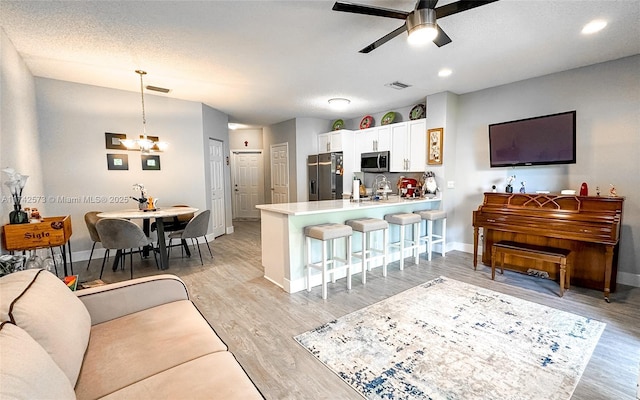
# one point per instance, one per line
(258, 320)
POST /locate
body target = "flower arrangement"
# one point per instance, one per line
(15, 184)
(509, 188)
(142, 200)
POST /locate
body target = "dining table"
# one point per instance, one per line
(146, 215)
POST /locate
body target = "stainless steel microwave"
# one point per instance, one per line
(375, 162)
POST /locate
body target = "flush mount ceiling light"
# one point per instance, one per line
(444, 72)
(339, 102)
(594, 26)
(144, 144)
(421, 26)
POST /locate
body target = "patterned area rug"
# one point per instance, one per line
(450, 340)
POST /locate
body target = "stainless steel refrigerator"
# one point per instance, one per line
(325, 176)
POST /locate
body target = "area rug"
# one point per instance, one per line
(450, 340)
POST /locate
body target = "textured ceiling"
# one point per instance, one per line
(263, 62)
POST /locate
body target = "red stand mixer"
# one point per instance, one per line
(408, 187)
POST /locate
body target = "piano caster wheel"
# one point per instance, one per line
(606, 298)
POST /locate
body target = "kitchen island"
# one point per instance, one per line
(283, 238)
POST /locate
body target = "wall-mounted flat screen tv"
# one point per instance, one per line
(549, 139)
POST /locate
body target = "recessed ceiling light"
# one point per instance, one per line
(339, 102)
(444, 72)
(594, 26)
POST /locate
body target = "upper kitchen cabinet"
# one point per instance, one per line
(334, 141)
(373, 139)
(408, 146)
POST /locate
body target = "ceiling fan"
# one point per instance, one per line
(419, 23)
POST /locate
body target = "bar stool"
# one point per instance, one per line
(325, 233)
(369, 254)
(431, 238)
(403, 220)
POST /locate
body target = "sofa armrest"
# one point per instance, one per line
(118, 299)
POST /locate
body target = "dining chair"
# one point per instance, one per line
(196, 228)
(90, 219)
(172, 224)
(122, 234)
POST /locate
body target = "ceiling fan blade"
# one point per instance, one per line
(369, 10)
(442, 38)
(459, 6)
(384, 39)
(426, 4)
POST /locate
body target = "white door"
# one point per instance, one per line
(280, 173)
(248, 184)
(216, 167)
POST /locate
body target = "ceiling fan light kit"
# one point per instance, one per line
(421, 26)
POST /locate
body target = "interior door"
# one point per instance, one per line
(280, 173)
(248, 184)
(216, 167)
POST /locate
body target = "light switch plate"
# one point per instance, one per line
(451, 184)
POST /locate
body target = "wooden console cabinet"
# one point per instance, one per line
(589, 226)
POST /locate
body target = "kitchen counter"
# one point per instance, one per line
(282, 234)
(318, 207)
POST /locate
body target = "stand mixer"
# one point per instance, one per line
(408, 187)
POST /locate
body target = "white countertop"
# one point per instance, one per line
(325, 206)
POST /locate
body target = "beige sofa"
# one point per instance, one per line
(138, 339)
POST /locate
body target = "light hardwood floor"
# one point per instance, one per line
(258, 320)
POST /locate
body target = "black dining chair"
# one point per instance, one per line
(122, 234)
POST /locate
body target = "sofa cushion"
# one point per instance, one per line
(41, 304)
(136, 346)
(214, 376)
(27, 371)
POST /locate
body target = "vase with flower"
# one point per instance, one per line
(143, 201)
(509, 188)
(15, 184)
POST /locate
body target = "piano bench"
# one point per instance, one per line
(542, 253)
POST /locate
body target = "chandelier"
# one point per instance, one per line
(144, 144)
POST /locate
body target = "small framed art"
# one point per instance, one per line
(117, 161)
(151, 163)
(112, 141)
(434, 146)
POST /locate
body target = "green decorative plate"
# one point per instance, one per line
(417, 112)
(388, 118)
(337, 125)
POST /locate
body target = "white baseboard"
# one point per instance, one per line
(230, 230)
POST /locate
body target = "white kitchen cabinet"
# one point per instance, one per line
(408, 146)
(331, 141)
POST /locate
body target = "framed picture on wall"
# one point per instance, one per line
(151, 163)
(117, 161)
(434, 146)
(112, 140)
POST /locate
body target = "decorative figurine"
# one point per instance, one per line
(584, 189)
(612, 191)
(598, 191)
(522, 188)
(430, 187)
(493, 189)
(509, 188)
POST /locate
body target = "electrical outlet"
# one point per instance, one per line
(451, 184)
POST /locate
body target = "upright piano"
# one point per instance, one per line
(589, 226)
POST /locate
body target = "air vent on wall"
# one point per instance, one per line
(397, 85)
(158, 89)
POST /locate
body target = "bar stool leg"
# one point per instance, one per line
(402, 232)
(429, 239)
(308, 258)
(364, 257)
(443, 250)
(385, 259)
(348, 258)
(416, 243)
(324, 270)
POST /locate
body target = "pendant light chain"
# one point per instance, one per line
(144, 119)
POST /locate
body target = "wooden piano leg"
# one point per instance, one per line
(475, 247)
(607, 272)
(563, 271)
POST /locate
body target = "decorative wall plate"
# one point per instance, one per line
(337, 125)
(388, 118)
(417, 112)
(366, 122)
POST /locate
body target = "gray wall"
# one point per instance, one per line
(283, 132)
(253, 137)
(606, 97)
(19, 139)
